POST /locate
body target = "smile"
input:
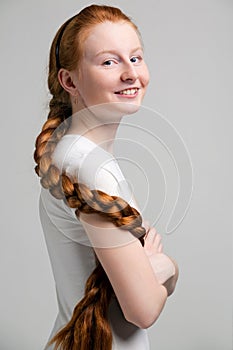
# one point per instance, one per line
(127, 92)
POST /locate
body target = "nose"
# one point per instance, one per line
(129, 73)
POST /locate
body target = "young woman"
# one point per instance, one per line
(112, 277)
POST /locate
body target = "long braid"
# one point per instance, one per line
(89, 327)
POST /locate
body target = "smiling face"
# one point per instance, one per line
(113, 69)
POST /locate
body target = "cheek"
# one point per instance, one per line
(98, 83)
(89, 82)
(91, 90)
(145, 76)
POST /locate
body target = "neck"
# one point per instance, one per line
(97, 128)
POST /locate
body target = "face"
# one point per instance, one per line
(113, 69)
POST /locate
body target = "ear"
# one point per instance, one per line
(67, 81)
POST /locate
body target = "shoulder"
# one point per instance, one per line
(92, 166)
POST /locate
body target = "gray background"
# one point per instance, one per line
(189, 53)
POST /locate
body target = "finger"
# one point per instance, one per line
(160, 248)
(151, 237)
(157, 239)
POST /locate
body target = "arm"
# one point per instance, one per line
(170, 283)
(165, 272)
(164, 267)
(130, 272)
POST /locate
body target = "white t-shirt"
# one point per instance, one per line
(70, 249)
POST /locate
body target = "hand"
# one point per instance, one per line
(170, 284)
(162, 265)
(152, 239)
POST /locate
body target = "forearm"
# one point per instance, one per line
(165, 270)
(170, 284)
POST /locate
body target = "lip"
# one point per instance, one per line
(129, 88)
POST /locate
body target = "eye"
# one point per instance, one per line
(136, 59)
(108, 63)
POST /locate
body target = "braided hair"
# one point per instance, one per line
(89, 327)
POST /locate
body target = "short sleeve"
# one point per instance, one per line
(104, 174)
(98, 170)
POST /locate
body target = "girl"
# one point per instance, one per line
(112, 277)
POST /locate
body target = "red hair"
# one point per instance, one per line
(89, 327)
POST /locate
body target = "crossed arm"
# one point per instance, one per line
(142, 277)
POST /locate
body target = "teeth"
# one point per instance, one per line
(128, 92)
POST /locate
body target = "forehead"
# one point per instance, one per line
(111, 36)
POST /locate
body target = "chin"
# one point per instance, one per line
(133, 108)
(125, 108)
(114, 111)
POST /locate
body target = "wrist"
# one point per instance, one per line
(163, 267)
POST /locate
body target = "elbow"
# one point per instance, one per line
(144, 322)
(146, 316)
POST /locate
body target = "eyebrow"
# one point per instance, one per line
(114, 52)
